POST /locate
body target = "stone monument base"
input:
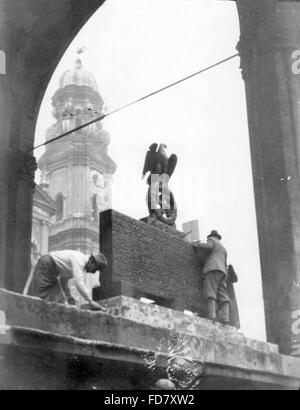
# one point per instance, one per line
(46, 345)
(150, 260)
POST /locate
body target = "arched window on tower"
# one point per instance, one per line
(59, 207)
(95, 210)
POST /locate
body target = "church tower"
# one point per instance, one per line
(76, 171)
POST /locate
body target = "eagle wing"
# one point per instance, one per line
(150, 160)
(172, 164)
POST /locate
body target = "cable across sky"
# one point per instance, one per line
(103, 116)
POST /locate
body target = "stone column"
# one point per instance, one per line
(270, 34)
(24, 198)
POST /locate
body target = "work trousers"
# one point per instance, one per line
(215, 287)
(46, 278)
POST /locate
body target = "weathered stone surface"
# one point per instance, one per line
(161, 317)
(151, 261)
(135, 326)
(39, 369)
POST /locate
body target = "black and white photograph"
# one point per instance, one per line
(149, 197)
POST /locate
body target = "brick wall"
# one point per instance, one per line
(147, 260)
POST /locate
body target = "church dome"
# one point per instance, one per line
(78, 76)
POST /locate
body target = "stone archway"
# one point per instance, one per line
(34, 34)
(34, 37)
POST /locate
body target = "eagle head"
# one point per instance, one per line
(162, 148)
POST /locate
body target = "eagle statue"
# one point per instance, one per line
(157, 162)
(160, 199)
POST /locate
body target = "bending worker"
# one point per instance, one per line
(54, 271)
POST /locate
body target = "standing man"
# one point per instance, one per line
(54, 271)
(215, 278)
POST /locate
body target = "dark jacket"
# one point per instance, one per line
(217, 257)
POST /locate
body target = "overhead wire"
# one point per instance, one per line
(123, 107)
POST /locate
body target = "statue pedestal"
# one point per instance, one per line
(153, 220)
(130, 347)
(149, 260)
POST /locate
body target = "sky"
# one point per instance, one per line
(134, 47)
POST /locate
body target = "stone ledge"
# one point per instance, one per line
(161, 317)
(212, 375)
(133, 325)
